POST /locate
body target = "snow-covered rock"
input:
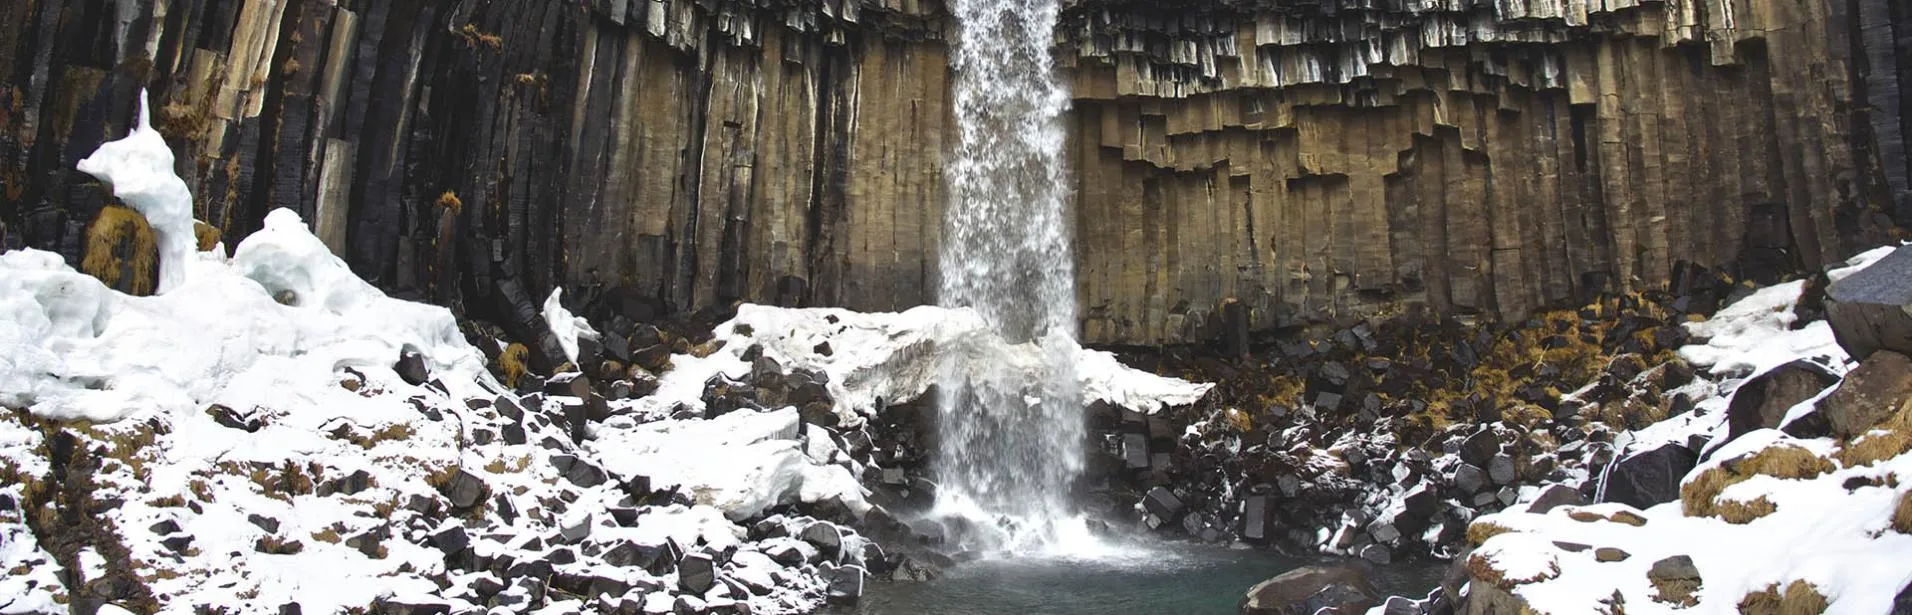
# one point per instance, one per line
(1765, 512)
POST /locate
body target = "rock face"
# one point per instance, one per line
(1297, 163)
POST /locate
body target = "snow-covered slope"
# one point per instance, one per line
(1800, 521)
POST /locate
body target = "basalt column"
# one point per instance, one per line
(1340, 158)
(1306, 161)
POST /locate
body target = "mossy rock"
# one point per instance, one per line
(122, 251)
(206, 235)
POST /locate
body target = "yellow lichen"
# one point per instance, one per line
(206, 235)
(512, 364)
(122, 251)
(1801, 598)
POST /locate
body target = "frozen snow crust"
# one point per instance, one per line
(1834, 531)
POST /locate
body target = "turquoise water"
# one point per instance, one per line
(1170, 580)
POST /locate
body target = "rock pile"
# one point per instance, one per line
(1396, 434)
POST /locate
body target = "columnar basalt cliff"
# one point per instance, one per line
(1300, 161)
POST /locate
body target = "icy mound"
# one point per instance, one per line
(140, 170)
(72, 349)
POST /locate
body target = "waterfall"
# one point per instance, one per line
(1011, 441)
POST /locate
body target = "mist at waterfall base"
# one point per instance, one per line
(1011, 440)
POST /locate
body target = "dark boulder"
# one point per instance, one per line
(1163, 503)
(1868, 308)
(1309, 589)
(464, 490)
(1761, 402)
(1469, 479)
(411, 368)
(227, 417)
(696, 573)
(1653, 477)
(825, 537)
(1869, 394)
(1555, 496)
(1480, 448)
(580, 472)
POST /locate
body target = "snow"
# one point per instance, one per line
(897, 356)
(140, 170)
(1754, 334)
(76, 350)
(742, 462)
(567, 327)
(1838, 539)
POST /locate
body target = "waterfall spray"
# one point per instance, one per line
(1011, 441)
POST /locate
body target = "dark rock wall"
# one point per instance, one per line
(1308, 160)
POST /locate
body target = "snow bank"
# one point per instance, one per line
(896, 356)
(140, 170)
(72, 349)
(742, 462)
(1755, 334)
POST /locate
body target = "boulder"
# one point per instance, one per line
(1645, 479)
(1501, 469)
(1308, 589)
(1674, 580)
(1869, 309)
(1480, 448)
(696, 573)
(1555, 496)
(1761, 402)
(1469, 479)
(411, 368)
(1162, 503)
(464, 490)
(1254, 519)
(580, 472)
(845, 585)
(1870, 393)
(825, 537)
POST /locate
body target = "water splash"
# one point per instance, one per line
(1012, 439)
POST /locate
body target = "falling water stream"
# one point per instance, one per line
(1011, 438)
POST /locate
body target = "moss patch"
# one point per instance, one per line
(1478, 532)
(1699, 497)
(1799, 598)
(122, 251)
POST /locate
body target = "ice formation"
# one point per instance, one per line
(139, 168)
